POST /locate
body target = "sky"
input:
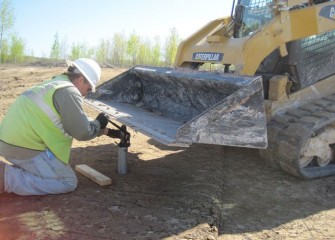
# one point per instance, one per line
(89, 21)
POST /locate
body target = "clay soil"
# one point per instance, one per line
(200, 192)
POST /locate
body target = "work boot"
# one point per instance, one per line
(2, 176)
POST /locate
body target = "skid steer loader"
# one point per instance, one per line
(275, 90)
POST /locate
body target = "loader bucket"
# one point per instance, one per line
(180, 107)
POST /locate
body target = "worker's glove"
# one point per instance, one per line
(103, 120)
(118, 134)
(114, 133)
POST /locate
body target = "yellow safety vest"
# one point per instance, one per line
(33, 122)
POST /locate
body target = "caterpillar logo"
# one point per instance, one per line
(207, 56)
(328, 12)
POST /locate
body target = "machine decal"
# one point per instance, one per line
(207, 56)
(328, 12)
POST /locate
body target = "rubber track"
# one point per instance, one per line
(287, 134)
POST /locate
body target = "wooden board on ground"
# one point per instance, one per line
(94, 175)
(5, 161)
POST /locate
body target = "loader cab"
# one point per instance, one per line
(250, 15)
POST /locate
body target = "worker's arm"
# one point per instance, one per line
(68, 102)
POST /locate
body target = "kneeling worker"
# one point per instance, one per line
(36, 133)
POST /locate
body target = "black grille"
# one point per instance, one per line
(313, 58)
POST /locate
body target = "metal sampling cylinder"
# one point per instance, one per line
(124, 136)
(122, 167)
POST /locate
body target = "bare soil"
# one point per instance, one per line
(201, 192)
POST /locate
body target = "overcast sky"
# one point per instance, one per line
(37, 21)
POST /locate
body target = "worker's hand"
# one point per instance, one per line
(114, 133)
(105, 131)
(103, 120)
(118, 134)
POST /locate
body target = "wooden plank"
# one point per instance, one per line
(5, 161)
(94, 175)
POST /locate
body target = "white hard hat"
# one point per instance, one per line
(89, 68)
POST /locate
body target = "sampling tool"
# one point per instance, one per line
(123, 148)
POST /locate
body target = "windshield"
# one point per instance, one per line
(250, 15)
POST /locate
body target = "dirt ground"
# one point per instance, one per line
(201, 192)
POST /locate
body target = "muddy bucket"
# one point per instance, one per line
(180, 107)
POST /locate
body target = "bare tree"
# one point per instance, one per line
(55, 50)
(16, 49)
(64, 47)
(156, 53)
(118, 49)
(133, 46)
(6, 21)
(102, 51)
(144, 53)
(80, 50)
(171, 47)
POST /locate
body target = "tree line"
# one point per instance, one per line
(120, 50)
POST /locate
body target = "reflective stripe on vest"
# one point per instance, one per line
(37, 98)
